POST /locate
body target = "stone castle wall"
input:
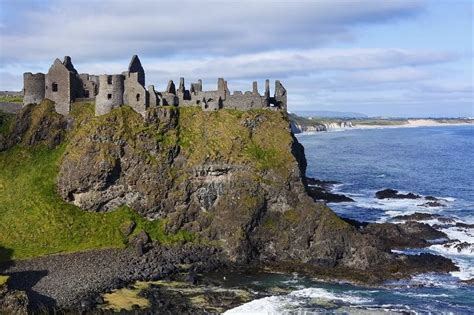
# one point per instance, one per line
(63, 85)
(111, 89)
(135, 94)
(59, 87)
(34, 87)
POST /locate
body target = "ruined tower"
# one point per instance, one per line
(280, 96)
(61, 84)
(111, 89)
(33, 85)
(135, 94)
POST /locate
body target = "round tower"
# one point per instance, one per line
(110, 94)
(33, 85)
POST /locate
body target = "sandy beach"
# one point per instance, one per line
(413, 123)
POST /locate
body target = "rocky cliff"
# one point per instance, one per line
(302, 124)
(232, 179)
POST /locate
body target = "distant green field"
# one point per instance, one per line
(11, 99)
(379, 122)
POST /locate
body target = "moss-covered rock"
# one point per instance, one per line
(35, 125)
(232, 178)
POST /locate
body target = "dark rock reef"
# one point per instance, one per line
(321, 190)
(394, 194)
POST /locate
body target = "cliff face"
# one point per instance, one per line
(232, 177)
(303, 124)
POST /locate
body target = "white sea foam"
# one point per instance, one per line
(296, 300)
(264, 306)
(435, 280)
(454, 248)
(460, 250)
(330, 296)
(466, 269)
(462, 234)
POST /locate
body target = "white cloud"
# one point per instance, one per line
(108, 29)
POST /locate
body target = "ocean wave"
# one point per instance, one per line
(298, 300)
(433, 280)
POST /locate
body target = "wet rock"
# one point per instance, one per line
(432, 204)
(417, 216)
(318, 193)
(460, 246)
(464, 225)
(427, 263)
(320, 190)
(407, 235)
(325, 184)
(468, 281)
(394, 194)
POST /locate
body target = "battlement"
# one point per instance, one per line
(64, 85)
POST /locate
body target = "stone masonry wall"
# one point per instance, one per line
(135, 94)
(58, 87)
(34, 85)
(63, 85)
(111, 89)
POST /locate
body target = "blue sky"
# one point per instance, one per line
(382, 58)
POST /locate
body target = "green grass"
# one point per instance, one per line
(265, 158)
(11, 98)
(6, 121)
(35, 221)
(379, 122)
(3, 280)
(223, 136)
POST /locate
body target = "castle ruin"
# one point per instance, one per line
(64, 85)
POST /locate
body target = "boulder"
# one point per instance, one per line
(394, 194)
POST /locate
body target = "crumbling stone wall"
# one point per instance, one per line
(58, 86)
(34, 87)
(168, 97)
(111, 89)
(90, 85)
(244, 101)
(135, 66)
(63, 85)
(135, 94)
(280, 96)
(153, 100)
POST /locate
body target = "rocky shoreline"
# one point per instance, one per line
(75, 281)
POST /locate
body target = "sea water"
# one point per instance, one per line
(429, 161)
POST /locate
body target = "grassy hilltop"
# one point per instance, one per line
(35, 221)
